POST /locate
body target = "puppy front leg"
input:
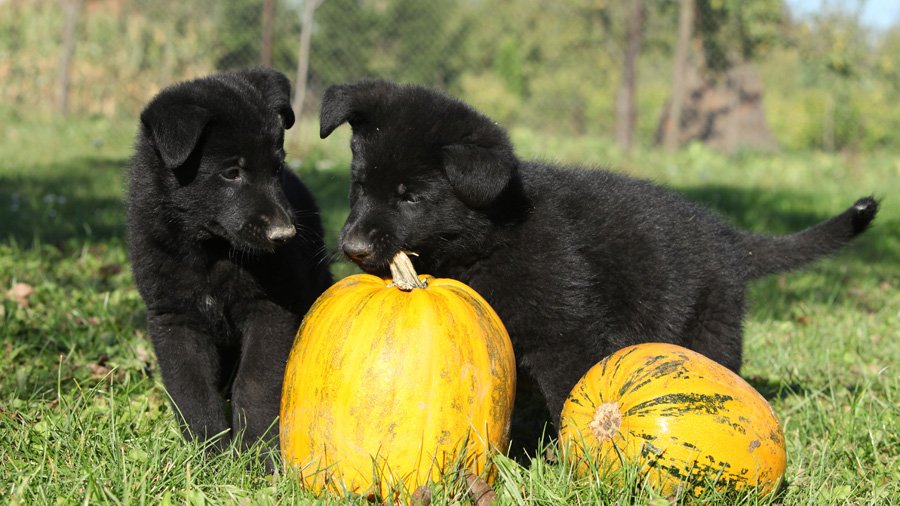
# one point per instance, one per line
(191, 368)
(556, 373)
(268, 333)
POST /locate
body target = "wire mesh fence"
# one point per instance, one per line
(736, 74)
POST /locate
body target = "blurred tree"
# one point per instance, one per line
(306, 27)
(720, 102)
(344, 39)
(672, 123)
(414, 41)
(268, 24)
(240, 27)
(241, 44)
(403, 40)
(626, 98)
(508, 66)
(840, 58)
(544, 62)
(71, 10)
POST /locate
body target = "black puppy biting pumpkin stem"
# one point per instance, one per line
(578, 263)
(226, 247)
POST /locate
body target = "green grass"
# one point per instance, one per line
(84, 417)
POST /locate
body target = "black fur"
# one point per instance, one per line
(226, 247)
(578, 263)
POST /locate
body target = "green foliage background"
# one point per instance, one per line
(829, 82)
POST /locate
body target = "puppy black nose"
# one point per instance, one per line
(356, 248)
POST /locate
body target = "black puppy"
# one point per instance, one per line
(578, 263)
(226, 246)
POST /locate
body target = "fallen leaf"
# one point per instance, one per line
(20, 293)
(550, 455)
(421, 496)
(98, 368)
(109, 270)
(142, 354)
(481, 492)
(90, 321)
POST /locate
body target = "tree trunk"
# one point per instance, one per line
(268, 18)
(672, 129)
(71, 10)
(306, 23)
(626, 108)
(828, 125)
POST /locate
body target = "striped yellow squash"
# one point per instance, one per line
(684, 420)
(386, 387)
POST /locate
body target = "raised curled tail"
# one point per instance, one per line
(771, 254)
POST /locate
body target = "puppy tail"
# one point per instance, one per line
(772, 254)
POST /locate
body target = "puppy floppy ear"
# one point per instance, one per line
(276, 88)
(337, 108)
(175, 129)
(478, 174)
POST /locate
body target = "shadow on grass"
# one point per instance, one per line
(84, 198)
(784, 212)
(81, 200)
(774, 389)
(867, 261)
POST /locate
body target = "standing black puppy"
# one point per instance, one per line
(226, 246)
(578, 263)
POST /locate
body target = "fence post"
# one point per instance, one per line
(672, 129)
(626, 107)
(306, 22)
(71, 10)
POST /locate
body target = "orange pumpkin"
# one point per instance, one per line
(685, 420)
(387, 386)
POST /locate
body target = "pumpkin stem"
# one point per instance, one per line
(606, 422)
(403, 273)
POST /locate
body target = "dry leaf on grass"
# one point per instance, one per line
(20, 293)
(98, 368)
(421, 496)
(109, 270)
(480, 492)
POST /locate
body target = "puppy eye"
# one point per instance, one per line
(232, 174)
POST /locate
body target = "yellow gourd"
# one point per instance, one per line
(685, 420)
(391, 383)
